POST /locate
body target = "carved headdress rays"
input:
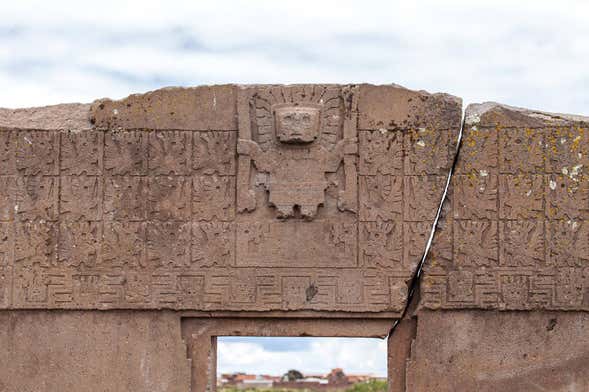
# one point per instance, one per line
(327, 98)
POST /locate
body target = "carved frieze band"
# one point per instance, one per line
(295, 209)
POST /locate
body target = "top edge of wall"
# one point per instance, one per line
(213, 107)
(69, 116)
(493, 114)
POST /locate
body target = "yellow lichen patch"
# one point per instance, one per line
(529, 132)
(472, 176)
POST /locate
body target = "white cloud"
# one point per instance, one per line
(355, 355)
(527, 53)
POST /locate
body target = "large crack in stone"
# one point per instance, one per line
(513, 234)
(510, 231)
(413, 287)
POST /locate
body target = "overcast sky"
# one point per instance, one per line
(276, 356)
(526, 53)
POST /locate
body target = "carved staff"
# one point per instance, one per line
(348, 199)
(246, 199)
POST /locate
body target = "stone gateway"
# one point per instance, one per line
(134, 232)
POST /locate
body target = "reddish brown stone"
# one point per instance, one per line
(73, 116)
(519, 203)
(164, 193)
(125, 153)
(395, 107)
(74, 351)
(491, 351)
(198, 108)
(306, 206)
(81, 153)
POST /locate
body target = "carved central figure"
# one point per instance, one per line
(300, 140)
(297, 170)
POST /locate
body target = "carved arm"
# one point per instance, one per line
(343, 147)
(261, 159)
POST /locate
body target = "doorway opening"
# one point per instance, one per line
(301, 363)
(207, 338)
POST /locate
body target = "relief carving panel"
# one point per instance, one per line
(310, 244)
(519, 205)
(293, 145)
(294, 207)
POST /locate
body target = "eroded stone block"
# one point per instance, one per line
(214, 152)
(169, 152)
(7, 153)
(196, 108)
(213, 197)
(125, 198)
(37, 198)
(519, 202)
(81, 153)
(37, 153)
(226, 198)
(125, 153)
(168, 198)
(491, 351)
(81, 198)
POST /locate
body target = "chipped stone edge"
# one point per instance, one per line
(475, 111)
(157, 90)
(444, 96)
(76, 116)
(68, 116)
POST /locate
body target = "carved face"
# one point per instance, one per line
(297, 124)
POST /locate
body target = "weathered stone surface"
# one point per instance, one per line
(499, 351)
(92, 351)
(291, 210)
(73, 116)
(395, 107)
(516, 222)
(258, 198)
(200, 108)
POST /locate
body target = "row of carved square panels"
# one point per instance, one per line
(207, 289)
(524, 196)
(517, 151)
(147, 245)
(500, 288)
(520, 243)
(117, 153)
(417, 152)
(182, 198)
(129, 198)
(131, 245)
